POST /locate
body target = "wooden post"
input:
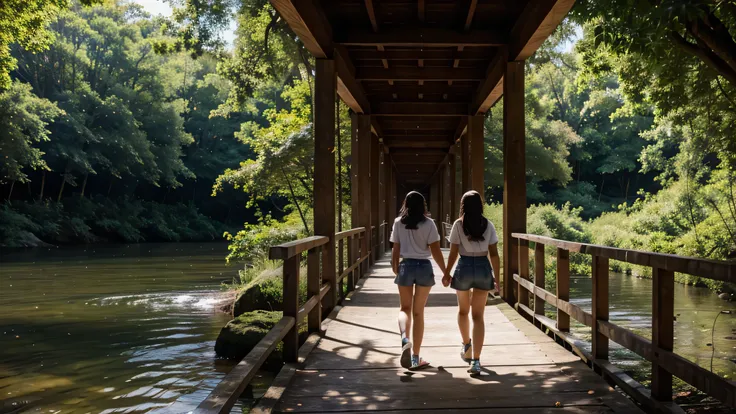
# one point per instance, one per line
(388, 195)
(324, 168)
(477, 154)
(351, 259)
(522, 296)
(314, 281)
(434, 201)
(600, 305)
(514, 169)
(375, 196)
(355, 207)
(291, 306)
(452, 193)
(563, 287)
(364, 185)
(663, 309)
(538, 277)
(466, 168)
(382, 200)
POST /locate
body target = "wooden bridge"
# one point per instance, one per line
(419, 75)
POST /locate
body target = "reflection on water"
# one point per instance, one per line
(110, 328)
(696, 308)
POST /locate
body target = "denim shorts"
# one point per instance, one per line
(473, 272)
(415, 272)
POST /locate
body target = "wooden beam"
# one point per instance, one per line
(324, 165)
(308, 23)
(421, 37)
(416, 74)
(421, 109)
(514, 171)
(471, 12)
(375, 198)
(477, 154)
(371, 14)
(405, 143)
(472, 54)
(421, 13)
(349, 89)
(538, 20)
(364, 181)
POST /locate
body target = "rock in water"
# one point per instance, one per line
(241, 334)
(264, 292)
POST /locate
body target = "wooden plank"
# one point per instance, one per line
(576, 312)
(622, 336)
(420, 37)
(538, 20)
(477, 154)
(563, 287)
(712, 384)
(227, 392)
(514, 168)
(314, 283)
(600, 305)
(663, 322)
(484, 96)
(407, 143)
(349, 89)
(290, 249)
(416, 74)
(308, 23)
(469, 54)
(442, 109)
(364, 181)
(371, 14)
(712, 269)
(324, 167)
(471, 12)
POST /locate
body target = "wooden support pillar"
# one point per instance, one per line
(355, 206)
(477, 154)
(381, 201)
(600, 305)
(375, 198)
(514, 170)
(465, 163)
(393, 201)
(458, 177)
(314, 320)
(452, 187)
(388, 196)
(291, 306)
(363, 157)
(324, 168)
(663, 309)
(447, 196)
(434, 198)
(563, 287)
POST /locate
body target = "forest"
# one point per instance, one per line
(121, 126)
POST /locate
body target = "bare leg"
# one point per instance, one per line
(420, 300)
(463, 308)
(478, 305)
(406, 295)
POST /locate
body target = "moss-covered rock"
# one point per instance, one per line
(241, 334)
(265, 292)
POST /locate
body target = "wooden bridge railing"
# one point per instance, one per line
(659, 350)
(226, 393)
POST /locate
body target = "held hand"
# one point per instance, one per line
(446, 279)
(498, 288)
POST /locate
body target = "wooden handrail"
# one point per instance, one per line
(349, 233)
(711, 269)
(665, 363)
(291, 249)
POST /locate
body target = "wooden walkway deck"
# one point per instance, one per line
(354, 367)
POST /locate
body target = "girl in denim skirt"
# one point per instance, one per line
(474, 238)
(415, 240)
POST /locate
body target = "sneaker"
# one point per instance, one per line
(474, 369)
(466, 352)
(418, 363)
(406, 353)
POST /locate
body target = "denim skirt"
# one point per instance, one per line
(473, 272)
(415, 272)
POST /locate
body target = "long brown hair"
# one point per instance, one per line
(471, 214)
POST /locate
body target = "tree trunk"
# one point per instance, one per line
(293, 197)
(84, 185)
(110, 187)
(603, 181)
(626, 193)
(61, 190)
(43, 186)
(10, 193)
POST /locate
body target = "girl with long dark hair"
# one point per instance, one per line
(474, 237)
(415, 240)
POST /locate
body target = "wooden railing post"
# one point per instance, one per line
(538, 277)
(563, 287)
(600, 305)
(522, 297)
(341, 267)
(663, 309)
(314, 283)
(291, 306)
(351, 261)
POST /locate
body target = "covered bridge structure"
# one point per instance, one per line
(419, 75)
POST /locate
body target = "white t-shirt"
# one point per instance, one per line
(414, 244)
(472, 248)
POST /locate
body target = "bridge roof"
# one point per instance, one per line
(420, 67)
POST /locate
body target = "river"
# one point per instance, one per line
(132, 328)
(110, 328)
